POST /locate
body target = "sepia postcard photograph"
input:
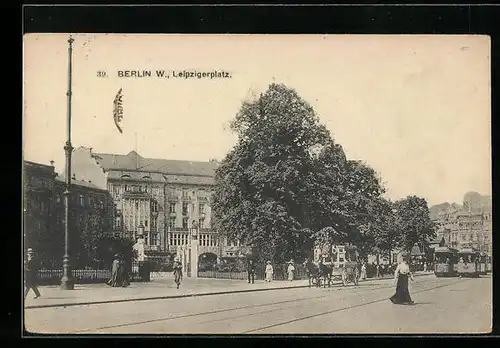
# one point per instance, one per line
(257, 184)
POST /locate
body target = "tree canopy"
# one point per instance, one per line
(287, 183)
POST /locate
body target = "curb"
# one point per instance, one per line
(167, 297)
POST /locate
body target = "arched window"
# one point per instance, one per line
(125, 176)
(146, 177)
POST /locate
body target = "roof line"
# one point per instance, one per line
(149, 158)
(155, 172)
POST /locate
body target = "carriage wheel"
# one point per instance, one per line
(344, 278)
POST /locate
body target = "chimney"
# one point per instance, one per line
(74, 177)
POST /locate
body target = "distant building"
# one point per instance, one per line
(165, 196)
(469, 225)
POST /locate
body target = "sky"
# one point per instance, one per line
(415, 108)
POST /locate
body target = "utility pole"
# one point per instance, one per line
(67, 280)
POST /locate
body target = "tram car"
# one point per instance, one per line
(445, 262)
(468, 263)
(483, 263)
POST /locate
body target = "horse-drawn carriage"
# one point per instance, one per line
(337, 263)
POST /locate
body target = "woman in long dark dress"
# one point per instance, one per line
(123, 275)
(401, 277)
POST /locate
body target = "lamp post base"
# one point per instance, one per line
(67, 283)
(67, 280)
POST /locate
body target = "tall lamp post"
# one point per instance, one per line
(193, 241)
(67, 280)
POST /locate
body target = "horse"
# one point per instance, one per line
(325, 273)
(312, 272)
(318, 273)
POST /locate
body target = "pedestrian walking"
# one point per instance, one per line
(123, 274)
(290, 270)
(402, 275)
(425, 266)
(177, 271)
(115, 270)
(269, 271)
(251, 271)
(363, 271)
(377, 267)
(31, 274)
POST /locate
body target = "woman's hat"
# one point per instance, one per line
(268, 261)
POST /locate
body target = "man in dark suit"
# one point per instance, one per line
(251, 271)
(31, 272)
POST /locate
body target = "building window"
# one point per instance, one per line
(154, 207)
(171, 223)
(172, 208)
(201, 208)
(184, 208)
(136, 205)
(145, 223)
(185, 193)
(201, 223)
(185, 222)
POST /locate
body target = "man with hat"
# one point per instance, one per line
(251, 271)
(31, 271)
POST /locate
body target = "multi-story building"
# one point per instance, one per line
(44, 207)
(162, 196)
(469, 225)
(38, 187)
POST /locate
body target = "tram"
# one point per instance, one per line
(483, 263)
(445, 262)
(468, 263)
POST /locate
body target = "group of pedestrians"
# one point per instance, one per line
(269, 271)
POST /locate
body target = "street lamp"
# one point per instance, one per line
(67, 280)
(193, 241)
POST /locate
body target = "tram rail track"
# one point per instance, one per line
(329, 294)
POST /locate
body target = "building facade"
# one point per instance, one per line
(165, 197)
(467, 225)
(91, 208)
(38, 188)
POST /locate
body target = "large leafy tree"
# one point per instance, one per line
(413, 222)
(286, 182)
(262, 185)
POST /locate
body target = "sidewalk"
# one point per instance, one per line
(158, 288)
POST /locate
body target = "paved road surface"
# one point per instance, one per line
(443, 305)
